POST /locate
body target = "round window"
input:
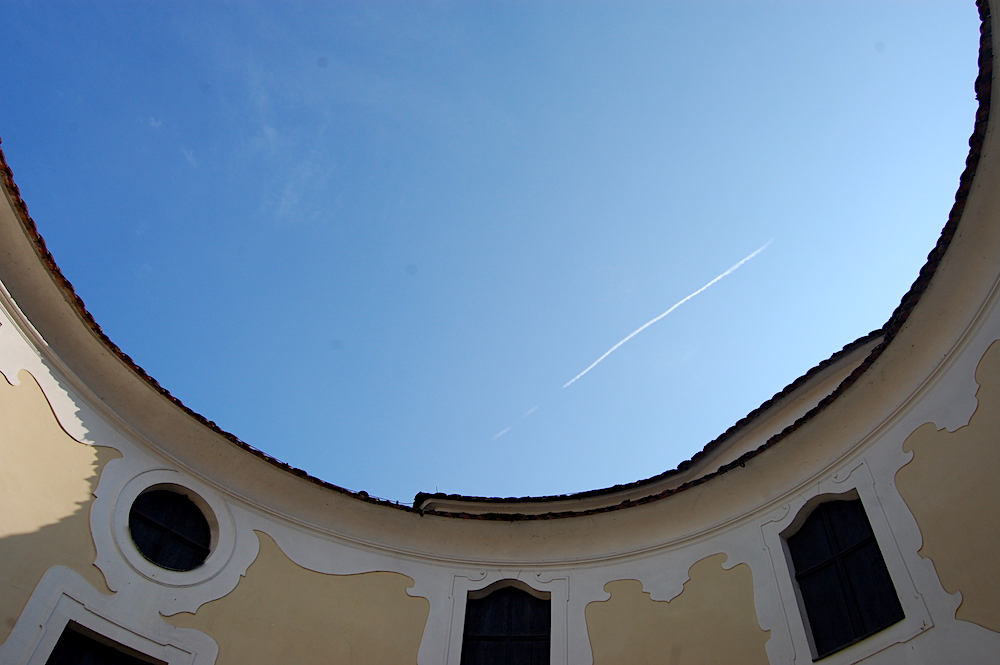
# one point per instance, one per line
(170, 530)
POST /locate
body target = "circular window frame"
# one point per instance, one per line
(220, 522)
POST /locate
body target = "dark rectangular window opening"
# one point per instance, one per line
(508, 626)
(843, 580)
(79, 646)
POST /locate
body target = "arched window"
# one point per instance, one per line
(170, 530)
(844, 583)
(508, 626)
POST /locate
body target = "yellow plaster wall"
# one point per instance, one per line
(712, 621)
(47, 480)
(283, 613)
(952, 486)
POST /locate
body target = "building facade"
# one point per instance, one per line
(855, 517)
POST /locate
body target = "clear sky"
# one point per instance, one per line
(375, 240)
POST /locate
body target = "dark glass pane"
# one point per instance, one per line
(176, 513)
(810, 546)
(520, 653)
(529, 615)
(540, 653)
(875, 596)
(846, 588)
(508, 627)
(827, 608)
(154, 507)
(534, 652)
(848, 522)
(479, 652)
(189, 523)
(489, 615)
(74, 648)
(170, 530)
(176, 555)
(144, 532)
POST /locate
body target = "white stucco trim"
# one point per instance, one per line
(62, 595)
(557, 587)
(124, 567)
(214, 508)
(857, 478)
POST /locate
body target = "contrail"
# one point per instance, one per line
(675, 306)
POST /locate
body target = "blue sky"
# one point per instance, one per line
(376, 239)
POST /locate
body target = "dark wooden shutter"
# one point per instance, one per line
(845, 585)
(507, 627)
(170, 530)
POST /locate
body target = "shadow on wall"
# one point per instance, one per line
(47, 483)
(951, 486)
(712, 621)
(283, 613)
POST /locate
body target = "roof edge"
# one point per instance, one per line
(983, 87)
(423, 497)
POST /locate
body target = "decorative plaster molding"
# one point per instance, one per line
(214, 508)
(853, 478)
(557, 587)
(62, 595)
(170, 592)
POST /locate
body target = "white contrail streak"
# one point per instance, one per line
(651, 322)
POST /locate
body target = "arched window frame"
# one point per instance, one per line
(856, 481)
(542, 600)
(838, 569)
(537, 582)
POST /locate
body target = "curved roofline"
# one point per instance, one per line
(983, 87)
(742, 424)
